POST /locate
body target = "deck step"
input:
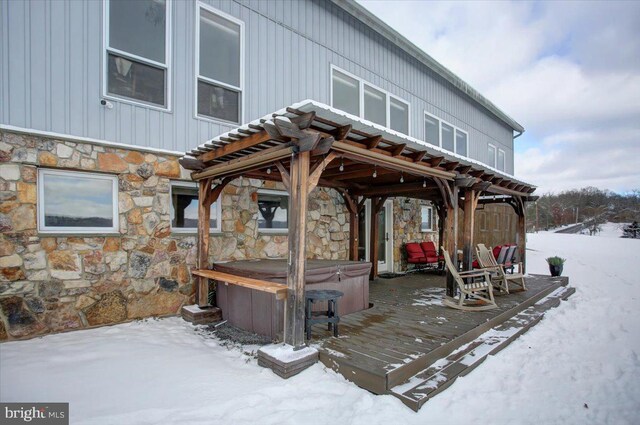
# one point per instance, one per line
(443, 372)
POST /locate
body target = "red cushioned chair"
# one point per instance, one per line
(431, 252)
(421, 259)
(415, 255)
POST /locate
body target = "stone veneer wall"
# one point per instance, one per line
(51, 283)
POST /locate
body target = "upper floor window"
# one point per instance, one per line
(346, 93)
(501, 160)
(137, 50)
(184, 209)
(440, 133)
(461, 142)
(399, 115)
(432, 130)
(375, 105)
(491, 156)
(77, 202)
(219, 63)
(359, 98)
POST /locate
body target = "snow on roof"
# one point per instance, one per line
(343, 118)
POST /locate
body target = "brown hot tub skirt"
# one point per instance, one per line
(260, 312)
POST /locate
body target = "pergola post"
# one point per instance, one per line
(204, 220)
(377, 203)
(298, 196)
(470, 203)
(207, 195)
(354, 234)
(373, 238)
(521, 234)
(354, 224)
(440, 208)
(451, 237)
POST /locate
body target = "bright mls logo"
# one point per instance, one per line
(35, 413)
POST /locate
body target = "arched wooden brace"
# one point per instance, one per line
(207, 195)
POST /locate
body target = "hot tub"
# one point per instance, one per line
(261, 313)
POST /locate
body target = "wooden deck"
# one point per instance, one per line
(391, 347)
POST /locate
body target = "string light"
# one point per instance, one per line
(424, 183)
(269, 170)
(401, 177)
(375, 172)
(341, 164)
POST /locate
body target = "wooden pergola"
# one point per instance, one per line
(309, 145)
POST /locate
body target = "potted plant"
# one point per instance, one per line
(555, 265)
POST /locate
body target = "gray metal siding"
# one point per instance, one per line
(52, 68)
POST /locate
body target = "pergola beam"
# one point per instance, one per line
(398, 164)
(390, 190)
(236, 146)
(251, 161)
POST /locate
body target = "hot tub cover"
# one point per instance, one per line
(318, 271)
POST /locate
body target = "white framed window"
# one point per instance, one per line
(184, 209)
(462, 142)
(398, 115)
(375, 105)
(426, 218)
(362, 99)
(273, 211)
(219, 65)
(77, 202)
(491, 155)
(431, 129)
(447, 137)
(501, 160)
(441, 133)
(137, 52)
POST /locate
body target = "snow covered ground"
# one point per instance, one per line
(612, 230)
(580, 365)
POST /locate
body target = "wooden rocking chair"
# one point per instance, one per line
(499, 277)
(474, 296)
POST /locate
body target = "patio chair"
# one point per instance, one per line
(420, 259)
(510, 259)
(501, 253)
(476, 295)
(499, 277)
(431, 254)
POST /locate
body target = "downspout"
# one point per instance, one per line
(519, 134)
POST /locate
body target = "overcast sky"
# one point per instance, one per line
(569, 72)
